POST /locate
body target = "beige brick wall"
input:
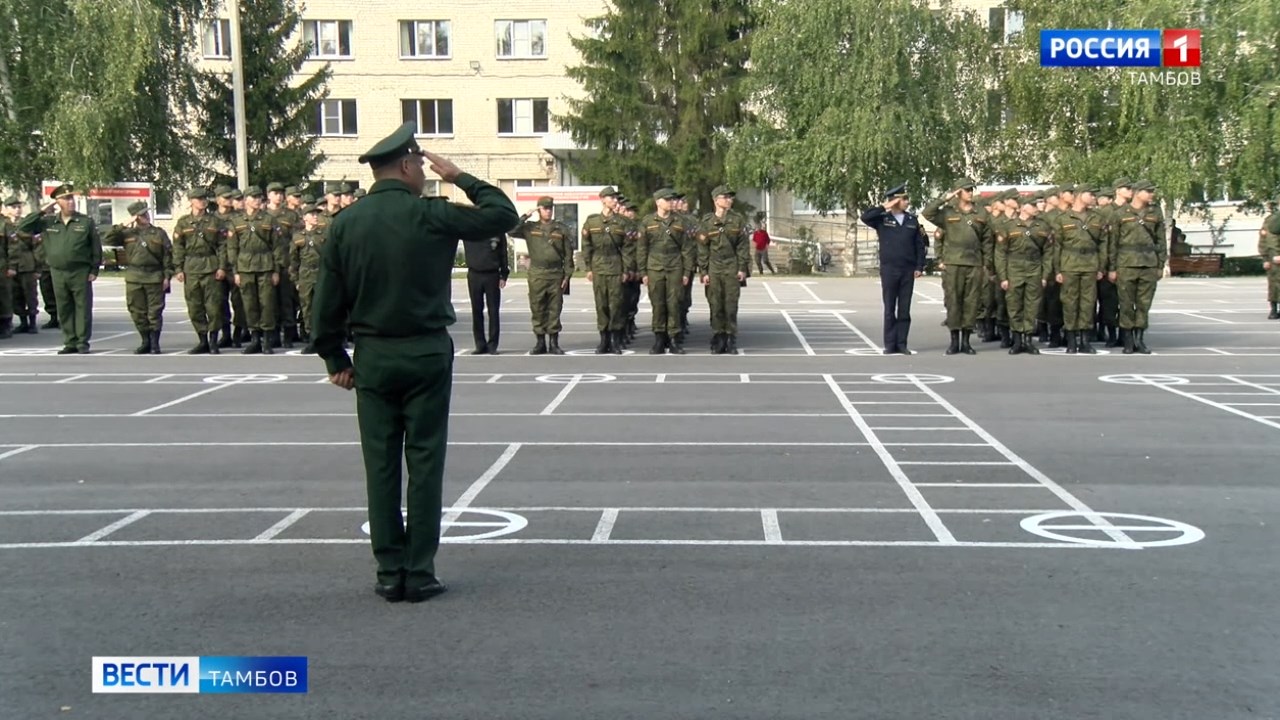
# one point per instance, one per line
(378, 79)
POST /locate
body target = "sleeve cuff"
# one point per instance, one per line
(466, 182)
(337, 363)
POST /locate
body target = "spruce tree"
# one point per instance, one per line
(664, 91)
(278, 111)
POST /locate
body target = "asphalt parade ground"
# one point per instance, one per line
(807, 530)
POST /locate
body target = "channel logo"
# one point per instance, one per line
(196, 675)
(1120, 48)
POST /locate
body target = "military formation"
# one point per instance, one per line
(248, 264)
(1069, 265)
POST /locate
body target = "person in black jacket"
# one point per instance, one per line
(902, 259)
(487, 273)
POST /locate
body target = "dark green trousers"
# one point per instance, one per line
(1137, 288)
(723, 292)
(1108, 303)
(259, 297)
(403, 388)
(6, 296)
(204, 302)
(666, 293)
(74, 294)
(962, 295)
(546, 302)
(608, 294)
(146, 305)
(1079, 296)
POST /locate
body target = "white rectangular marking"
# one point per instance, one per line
(122, 522)
(162, 378)
(17, 451)
(467, 497)
(772, 531)
(769, 290)
(70, 378)
(796, 331)
(282, 525)
(560, 398)
(604, 528)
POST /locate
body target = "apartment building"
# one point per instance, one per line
(482, 80)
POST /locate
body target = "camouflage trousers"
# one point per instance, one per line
(1051, 305)
(997, 303)
(259, 300)
(1137, 288)
(608, 293)
(546, 302)
(1108, 303)
(6, 297)
(962, 294)
(204, 297)
(1273, 284)
(306, 293)
(1079, 296)
(666, 296)
(146, 305)
(25, 298)
(1023, 299)
(723, 292)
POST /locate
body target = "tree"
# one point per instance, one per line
(72, 73)
(857, 95)
(664, 91)
(279, 113)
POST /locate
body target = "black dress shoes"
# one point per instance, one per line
(424, 592)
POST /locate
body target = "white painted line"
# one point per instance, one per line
(1246, 383)
(769, 290)
(564, 393)
(660, 378)
(452, 443)
(524, 509)
(1118, 537)
(282, 525)
(839, 316)
(185, 398)
(162, 378)
(464, 501)
(1220, 406)
(930, 429)
(70, 378)
(1219, 352)
(537, 541)
(494, 379)
(17, 451)
(917, 500)
(745, 378)
(953, 462)
(985, 485)
(796, 331)
(772, 531)
(604, 528)
(122, 522)
(934, 444)
(206, 416)
(1205, 317)
(906, 415)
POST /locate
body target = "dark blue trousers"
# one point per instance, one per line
(896, 286)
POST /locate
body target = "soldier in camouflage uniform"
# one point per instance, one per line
(232, 300)
(1023, 267)
(6, 285)
(550, 267)
(22, 267)
(724, 258)
(256, 249)
(200, 259)
(992, 208)
(631, 289)
(286, 294)
(304, 262)
(1136, 263)
(1269, 249)
(1079, 252)
(962, 238)
(1007, 207)
(666, 259)
(149, 268)
(1107, 314)
(681, 209)
(605, 255)
(1062, 199)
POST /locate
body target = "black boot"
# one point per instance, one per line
(659, 343)
(1126, 338)
(482, 348)
(677, 344)
(1055, 336)
(716, 346)
(731, 344)
(23, 324)
(619, 341)
(155, 342)
(202, 348)
(989, 332)
(271, 338)
(541, 347)
(1005, 340)
(1015, 345)
(51, 325)
(1029, 345)
(1113, 339)
(1042, 329)
(264, 338)
(603, 347)
(254, 347)
(145, 347)
(1085, 347)
(1099, 332)
(965, 347)
(1140, 341)
(6, 329)
(1275, 312)
(32, 328)
(554, 347)
(211, 341)
(955, 343)
(290, 335)
(1072, 347)
(228, 337)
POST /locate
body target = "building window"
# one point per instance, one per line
(424, 39)
(334, 117)
(433, 117)
(1004, 24)
(162, 203)
(217, 39)
(523, 116)
(431, 188)
(521, 38)
(328, 38)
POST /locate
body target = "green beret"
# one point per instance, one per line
(275, 187)
(964, 183)
(396, 145)
(723, 190)
(609, 191)
(137, 208)
(665, 194)
(63, 190)
(11, 201)
(546, 201)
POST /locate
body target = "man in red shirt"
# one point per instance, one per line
(760, 239)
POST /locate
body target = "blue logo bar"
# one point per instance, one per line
(1100, 48)
(199, 675)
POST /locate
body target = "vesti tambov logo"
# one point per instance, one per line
(1120, 48)
(208, 675)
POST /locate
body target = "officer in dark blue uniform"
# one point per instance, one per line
(902, 259)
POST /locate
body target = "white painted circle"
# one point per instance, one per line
(582, 378)
(1145, 379)
(507, 524)
(868, 352)
(912, 379)
(582, 352)
(245, 379)
(1063, 351)
(1182, 533)
(29, 352)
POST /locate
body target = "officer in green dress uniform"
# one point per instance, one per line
(74, 253)
(386, 269)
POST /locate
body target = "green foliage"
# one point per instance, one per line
(277, 110)
(664, 89)
(856, 94)
(1239, 266)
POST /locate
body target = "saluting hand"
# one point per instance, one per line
(345, 379)
(443, 167)
(180, 277)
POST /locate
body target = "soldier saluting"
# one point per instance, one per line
(902, 259)
(149, 261)
(550, 267)
(74, 253)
